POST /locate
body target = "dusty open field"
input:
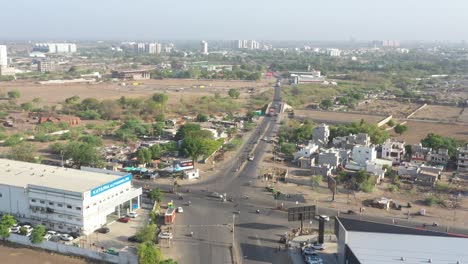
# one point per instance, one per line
(387, 107)
(337, 117)
(417, 130)
(439, 112)
(21, 255)
(176, 88)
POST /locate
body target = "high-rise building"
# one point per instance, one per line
(3, 56)
(204, 47)
(158, 48)
(140, 47)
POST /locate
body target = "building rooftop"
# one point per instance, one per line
(403, 248)
(22, 174)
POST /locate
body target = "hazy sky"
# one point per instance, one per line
(234, 19)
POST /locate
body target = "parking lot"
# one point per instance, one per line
(118, 235)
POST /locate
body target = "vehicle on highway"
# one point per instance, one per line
(216, 195)
(165, 235)
(132, 214)
(323, 217)
(124, 219)
(283, 239)
(66, 237)
(103, 230)
(180, 210)
(112, 251)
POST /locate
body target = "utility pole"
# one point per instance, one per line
(233, 224)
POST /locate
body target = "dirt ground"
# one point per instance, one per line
(176, 88)
(439, 112)
(337, 117)
(387, 107)
(15, 254)
(418, 130)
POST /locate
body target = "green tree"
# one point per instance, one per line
(72, 100)
(148, 254)
(400, 129)
(316, 180)
(326, 103)
(22, 152)
(186, 129)
(143, 155)
(168, 261)
(193, 147)
(82, 154)
(28, 106)
(391, 123)
(156, 195)
(15, 94)
(202, 117)
(38, 233)
(160, 98)
(5, 223)
(234, 93)
(436, 142)
(147, 233)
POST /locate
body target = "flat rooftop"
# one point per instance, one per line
(371, 248)
(22, 174)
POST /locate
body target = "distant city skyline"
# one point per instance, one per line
(338, 20)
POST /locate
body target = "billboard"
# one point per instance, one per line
(181, 165)
(110, 185)
(301, 213)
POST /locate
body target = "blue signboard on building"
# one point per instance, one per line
(110, 185)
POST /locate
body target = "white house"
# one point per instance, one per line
(393, 150)
(362, 154)
(306, 151)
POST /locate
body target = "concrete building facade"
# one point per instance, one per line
(462, 159)
(393, 150)
(65, 199)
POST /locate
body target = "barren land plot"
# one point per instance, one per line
(54, 93)
(439, 112)
(418, 130)
(336, 117)
(387, 107)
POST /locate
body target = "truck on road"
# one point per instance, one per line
(169, 217)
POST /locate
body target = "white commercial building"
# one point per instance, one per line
(65, 199)
(3, 56)
(55, 47)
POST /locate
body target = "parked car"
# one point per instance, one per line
(112, 251)
(308, 251)
(47, 237)
(180, 210)
(52, 233)
(28, 228)
(134, 239)
(124, 219)
(103, 230)
(66, 237)
(132, 214)
(15, 229)
(317, 246)
(166, 235)
(74, 235)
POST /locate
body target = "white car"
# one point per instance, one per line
(251, 157)
(47, 236)
(132, 214)
(66, 237)
(323, 217)
(52, 233)
(180, 210)
(15, 229)
(166, 235)
(29, 229)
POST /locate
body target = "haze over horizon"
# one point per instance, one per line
(402, 20)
